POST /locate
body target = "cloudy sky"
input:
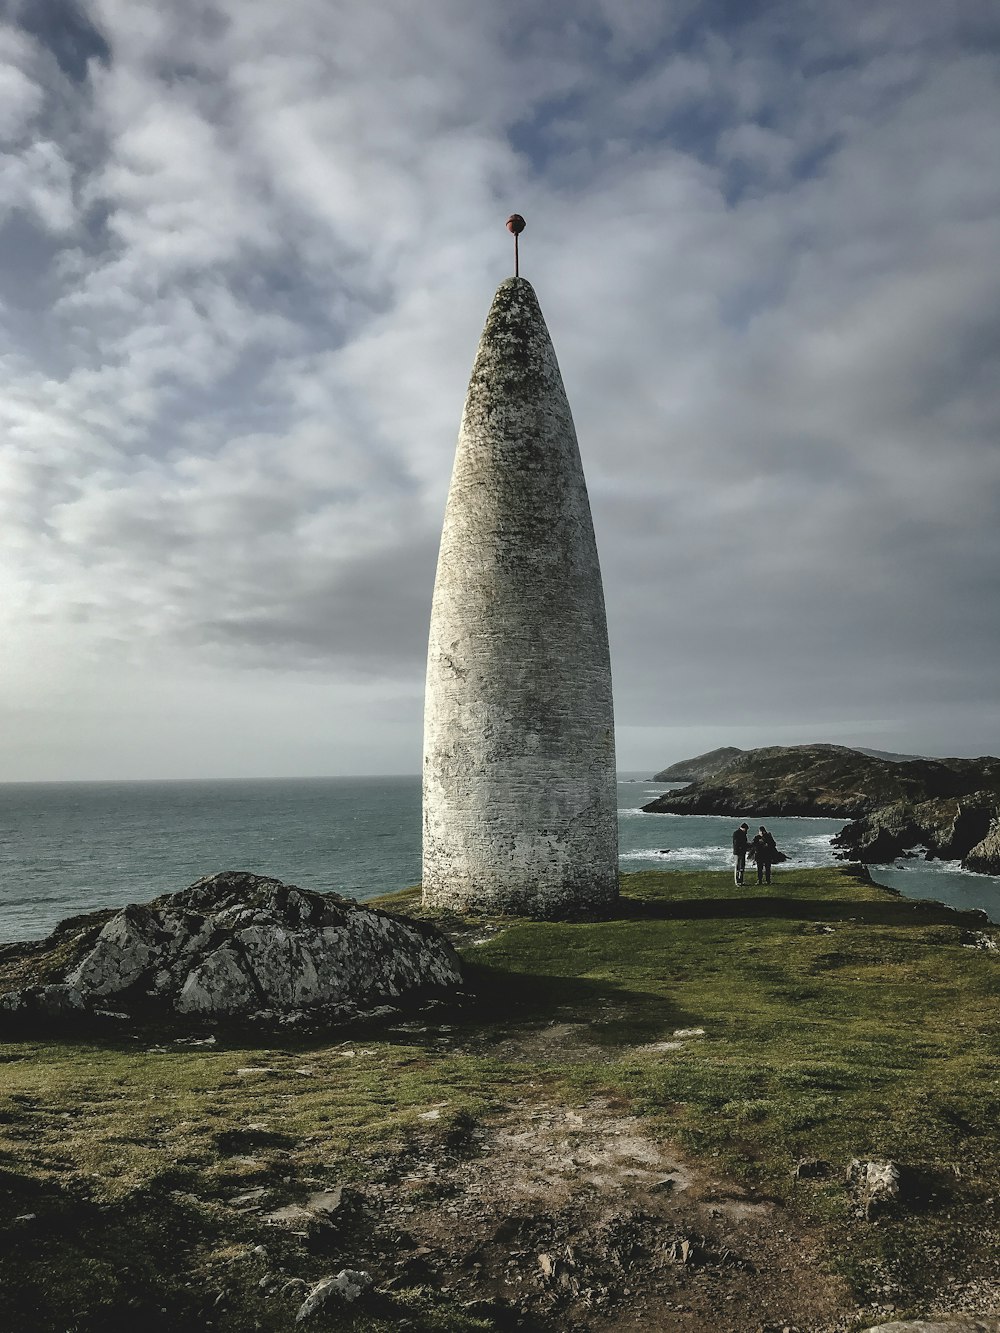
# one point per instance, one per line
(247, 252)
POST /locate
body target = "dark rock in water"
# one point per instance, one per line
(951, 828)
(233, 946)
(881, 835)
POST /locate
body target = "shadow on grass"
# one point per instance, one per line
(68, 1263)
(492, 997)
(526, 999)
(893, 912)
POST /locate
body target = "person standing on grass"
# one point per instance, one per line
(764, 848)
(740, 844)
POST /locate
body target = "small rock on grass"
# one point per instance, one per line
(663, 1186)
(347, 1286)
(875, 1185)
(683, 1250)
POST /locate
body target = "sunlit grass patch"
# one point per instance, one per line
(818, 1018)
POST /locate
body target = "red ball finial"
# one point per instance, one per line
(515, 225)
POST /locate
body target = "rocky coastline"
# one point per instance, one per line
(949, 809)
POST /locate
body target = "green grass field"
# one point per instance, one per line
(838, 1021)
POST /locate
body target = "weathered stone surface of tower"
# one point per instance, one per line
(519, 784)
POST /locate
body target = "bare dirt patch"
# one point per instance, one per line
(572, 1217)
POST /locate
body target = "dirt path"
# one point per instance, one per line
(556, 1216)
(574, 1218)
(578, 1220)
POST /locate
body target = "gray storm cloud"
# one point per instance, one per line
(247, 252)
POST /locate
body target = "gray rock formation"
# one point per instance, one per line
(881, 835)
(985, 855)
(238, 946)
(519, 760)
(951, 828)
(345, 1288)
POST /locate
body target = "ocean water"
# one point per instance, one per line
(67, 848)
(77, 846)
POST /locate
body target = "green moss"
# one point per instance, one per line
(838, 1021)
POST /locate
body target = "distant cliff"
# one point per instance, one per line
(951, 807)
(700, 768)
(706, 765)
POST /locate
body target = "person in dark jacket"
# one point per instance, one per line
(763, 848)
(740, 844)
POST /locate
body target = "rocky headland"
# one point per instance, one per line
(948, 807)
(699, 768)
(706, 765)
(233, 947)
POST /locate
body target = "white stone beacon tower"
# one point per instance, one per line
(519, 784)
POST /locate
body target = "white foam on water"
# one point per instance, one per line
(649, 814)
(702, 856)
(806, 853)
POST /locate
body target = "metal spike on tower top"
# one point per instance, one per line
(515, 225)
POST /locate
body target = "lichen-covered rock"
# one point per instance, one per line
(43, 1001)
(346, 1287)
(237, 945)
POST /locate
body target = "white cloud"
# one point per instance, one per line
(20, 101)
(39, 181)
(768, 267)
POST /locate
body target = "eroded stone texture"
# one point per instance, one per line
(519, 763)
(235, 945)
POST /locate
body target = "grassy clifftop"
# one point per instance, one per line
(826, 781)
(612, 1091)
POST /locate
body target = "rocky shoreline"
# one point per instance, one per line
(948, 808)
